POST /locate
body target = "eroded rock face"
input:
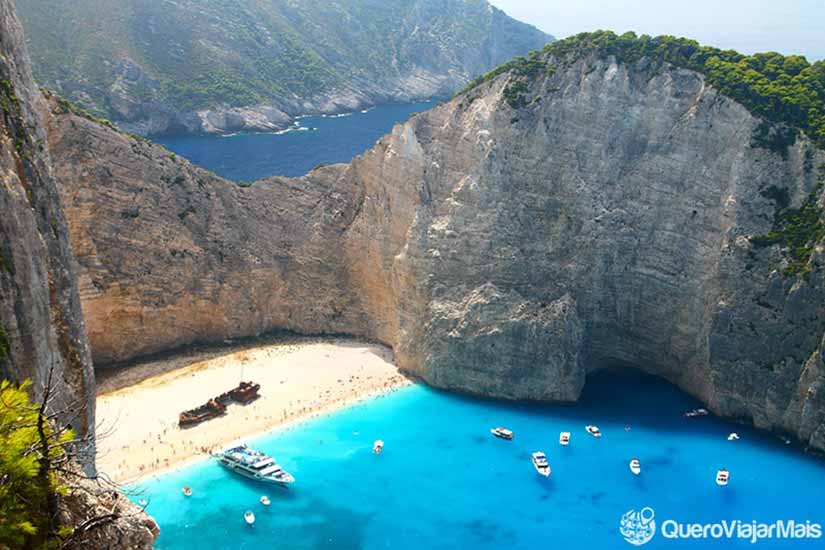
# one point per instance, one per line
(41, 324)
(501, 251)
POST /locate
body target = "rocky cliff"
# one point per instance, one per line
(42, 334)
(570, 213)
(217, 66)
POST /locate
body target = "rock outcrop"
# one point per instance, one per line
(504, 244)
(42, 333)
(41, 324)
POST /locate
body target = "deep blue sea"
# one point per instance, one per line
(311, 141)
(444, 482)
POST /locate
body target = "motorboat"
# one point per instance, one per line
(695, 413)
(377, 447)
(722, 477)
(187, 491)
(635, 466)
(540, 464)
(249, 517)
(594, 431)
(503, 433)
(733, 436)
(253, 465)
(564, 438)
(265, 500)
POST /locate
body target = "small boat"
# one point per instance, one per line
(265, 500)
(187, 492)
(249, 517)
(635, 466)
(253, 465)
(143, 502)
(722, 477)
(733, 436)
(377, 447)
(695, 413)
(564, 438)
(503, 433)
(594, 431)
(540, 463)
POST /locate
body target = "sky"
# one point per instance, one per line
(749, 26)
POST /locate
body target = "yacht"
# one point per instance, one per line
(594, 431)
(253, 465)
(695, 413)
(722, 477)
(564, 438)
(503, 433)
(540, 463)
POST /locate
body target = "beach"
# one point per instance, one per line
(138, 406)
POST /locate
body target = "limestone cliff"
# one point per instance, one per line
(42, 334)
(507, 243)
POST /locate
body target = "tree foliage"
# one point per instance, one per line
(28, 446)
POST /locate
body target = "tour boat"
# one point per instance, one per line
(564, 438)
(503, 433)
(377, 447)
(722, 477)
(696, 413)
(265, 500)
(540, 463)
(635, 466)
(253, 465)
(187, 491)
(249, 517)
(733, 436)
(593, 430)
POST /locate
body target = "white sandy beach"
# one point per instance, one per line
(138, 424)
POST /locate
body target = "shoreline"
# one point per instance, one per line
(301, 379)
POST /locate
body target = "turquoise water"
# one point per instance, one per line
(314, 140)
(444, 482)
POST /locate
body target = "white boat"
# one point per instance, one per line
(635, 466)
(503, 433)
(540, 463)
(696, 413)
(254, 465)
(187, 492)
(265, 500)
(377, 447)
(564, 438)
(722, 477)
(733, 436)
(594, 431)
(249, 517)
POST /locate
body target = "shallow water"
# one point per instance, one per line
(444, 482)
(312, 141)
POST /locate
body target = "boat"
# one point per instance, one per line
(503, 433)
(564, 438)
(187, 492)
(253, 465)
(733, 436)
(143, 502)
(211, 409)
(265, 500)
(540, 463)
(696, 413)
(249, 517)
(635, 466)
(377, 447)
(594, 431)
(722, 477)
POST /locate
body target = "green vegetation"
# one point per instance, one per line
(29, 449)
(65, 106)
(4, 344)
(203, 53)
(785, 90)
(797, 230)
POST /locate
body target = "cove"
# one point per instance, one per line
(313, 140)
(444, 482)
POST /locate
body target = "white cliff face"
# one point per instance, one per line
(501, 251)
